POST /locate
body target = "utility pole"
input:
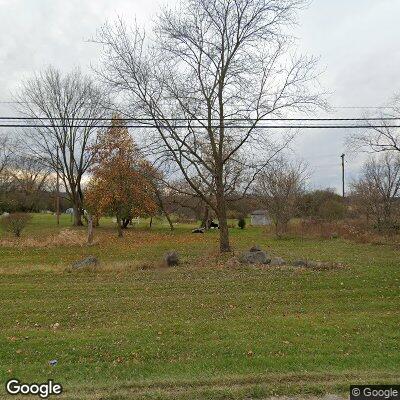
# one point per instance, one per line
(342, 157)
(58, 190)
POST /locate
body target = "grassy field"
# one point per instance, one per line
(208, 329)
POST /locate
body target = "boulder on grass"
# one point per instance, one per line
(255, 256)
(90, 261)
(171, 259)
(277, 262)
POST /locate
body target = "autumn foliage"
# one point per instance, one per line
(120, 184)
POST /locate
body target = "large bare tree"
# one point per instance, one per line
(221, 66)
(279, 189)
(376, 192)
(69, 107)
(6, 152)
(30, 178)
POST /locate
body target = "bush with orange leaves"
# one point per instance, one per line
(120, 184)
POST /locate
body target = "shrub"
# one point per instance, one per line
(7, 206)
(332, 210)
(15, 223)
(242, 223)
(356, 230)
(322, 204)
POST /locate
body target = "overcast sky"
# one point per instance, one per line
(357, 42)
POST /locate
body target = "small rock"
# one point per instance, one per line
(171, 259)
(277, 262)
(90, 261)
(299, 263)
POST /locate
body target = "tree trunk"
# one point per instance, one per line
(224, 244)
(277, 230)
(119, 227)
(90, 229)
(77, 207)
(205, 222)
(77, 215)
(171, 226)
(162, 207)
(151, 222)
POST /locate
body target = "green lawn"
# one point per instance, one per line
(201, 330)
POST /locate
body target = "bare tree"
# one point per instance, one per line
(5, 161)
(222, 66)
(184, 202)
(29, 174)
(29, 180)
(382, 139)
(187, 198)
(376, 192)
(5, 152)
(279, 187)
(160, 197)
(69, 108)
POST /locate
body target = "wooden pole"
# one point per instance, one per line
(342, 157)
(90, 230)
(58, 191)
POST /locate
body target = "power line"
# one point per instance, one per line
(202, 127)
(195, 123)
(198, 119)
(364, 107)
(334, 107)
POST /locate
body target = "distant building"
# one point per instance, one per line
(70, 211)
(260, 218)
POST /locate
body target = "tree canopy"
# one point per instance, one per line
(120, 184)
